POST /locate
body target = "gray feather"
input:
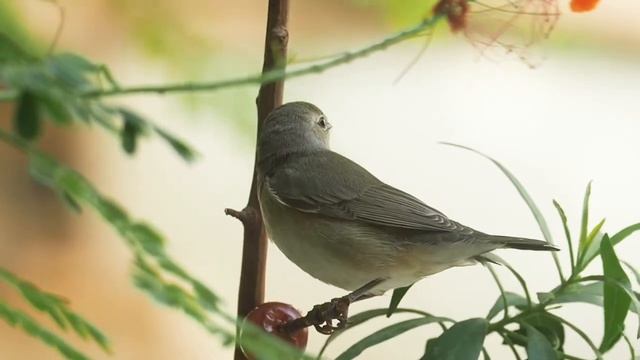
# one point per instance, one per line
(329, 184)
(522, 243)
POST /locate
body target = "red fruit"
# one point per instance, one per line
(271, 316)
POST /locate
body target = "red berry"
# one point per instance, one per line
(271, 316)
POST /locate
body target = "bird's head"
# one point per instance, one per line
(293, 127)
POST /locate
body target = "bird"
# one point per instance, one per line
(345, 227)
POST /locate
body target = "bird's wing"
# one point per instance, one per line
(329, 184)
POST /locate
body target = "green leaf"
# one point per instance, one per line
(75, 61)
(71, 71)
(148, 238)
(178, 145)
(365, 316)
(616, 300)
(633, 270)
(537, 214)
(133, 126)
(538, 347)
(26, 120)
(71, 202)
(593, 243)
(19, 319)
(56, 307)
(624, 233)
(567, 234)
(206, 297)
(386, 334)
(547, 325)
(397, 296)
(584, 225)
(590, 294)
(56, 109)
(513, 299)
(129, 136)
(449, 346)
(615, 240)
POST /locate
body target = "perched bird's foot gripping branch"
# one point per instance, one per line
(321, 316)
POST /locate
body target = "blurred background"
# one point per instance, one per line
(571, 118)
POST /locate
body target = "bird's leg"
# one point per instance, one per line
(322, 316)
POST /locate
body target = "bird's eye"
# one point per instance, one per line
(323, 123)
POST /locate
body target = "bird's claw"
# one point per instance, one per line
(324, 314)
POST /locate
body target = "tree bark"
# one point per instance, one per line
(254, 247)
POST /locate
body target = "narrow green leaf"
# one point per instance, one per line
(26, 120)
(537, 214)
(71, 202)
(633, 270)
(75, 61)
(485, 354)
(449, 346)
(129, 136)
(590, 294)
(615, 240)
(624, 233)
(19, 319)
(55, 108)
(616, 300)
(397, 296)
(179, 146)
(385, 334)
(512, 299)
(567, 234)
(584, 225)
(206, 297)
(538, 347)
(70, 71)
(365, 316)
(632, 351)
(547, 325)
(148, 238)
(593, 243)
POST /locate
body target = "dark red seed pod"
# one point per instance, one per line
(271, 316)
(456, 12)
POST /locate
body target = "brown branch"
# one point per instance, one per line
(254, 247)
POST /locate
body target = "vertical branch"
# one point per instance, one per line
(254, 247)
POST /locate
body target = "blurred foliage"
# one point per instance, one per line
(155, 272)
(54, 88)
(164, 31)
(57, 309)
(12, 27)
(401, 13)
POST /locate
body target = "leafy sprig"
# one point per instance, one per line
(155, 272)
(57, 308)
(52, 88)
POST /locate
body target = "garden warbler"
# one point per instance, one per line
(342, 225)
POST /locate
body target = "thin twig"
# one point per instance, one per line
(272, 75)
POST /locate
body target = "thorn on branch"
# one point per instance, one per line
(246, 216)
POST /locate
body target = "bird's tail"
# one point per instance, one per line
(522, 243)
